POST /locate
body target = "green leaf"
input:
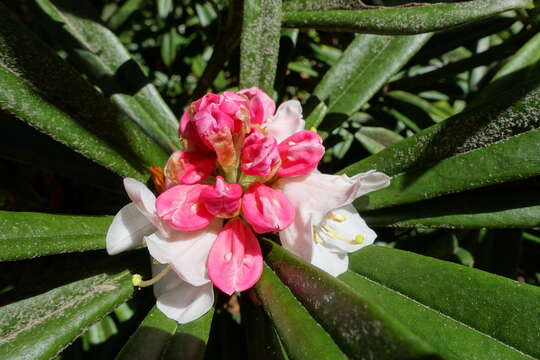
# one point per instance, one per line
(262, 339)
(26, 235)
(123, 13)
(509, 114)
(402, 20)
(519, 68)
(189, 341)
(150, 338)
(487, 209)
(462, 312)
(359, 327)
(365, 66)
(527, 56)
(293, 322)
(41, 326)
(259, 46)
(376, 139)
(40, 88)
(435, 113)
(106, 61)
(515, 158)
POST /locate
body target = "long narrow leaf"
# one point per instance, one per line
(259, 46)
(41, 326)
(402, 20)
(474, 299)
(26, 235)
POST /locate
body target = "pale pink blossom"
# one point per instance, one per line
(257, 171)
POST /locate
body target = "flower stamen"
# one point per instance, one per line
(137, 280)
(336, 217)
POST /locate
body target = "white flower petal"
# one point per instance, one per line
(187, 251)
(298, 237)
(329, 261)
(370, 181)
(142, 197)
(287, 121)
(180, 300)
(343, 230)
(186, 302)
(127, 230)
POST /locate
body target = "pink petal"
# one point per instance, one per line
(261, 106)
(266, 209)
(235, 260)
(300, 153)
(287, 121)
(182, 208)
(260, 155)
(223, 199)
(189, 167)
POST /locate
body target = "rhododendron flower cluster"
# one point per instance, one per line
(245, 169)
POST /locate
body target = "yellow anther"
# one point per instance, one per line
(336, 217)
(317, 238)
(358, 239)
(314, 129)
(137, 280)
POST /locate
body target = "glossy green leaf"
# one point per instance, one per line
(402, 20)
(359, 327)
(150, 339)
(26, 235)
(463, 312)
(40, 88)
(189, 341)
(41, 326)
(511, 113)
(513, 159)
(433, 111)
(365, 66)
(259, 46)
(105, 60)
(293, 322)
(376, 139)
(488, 209)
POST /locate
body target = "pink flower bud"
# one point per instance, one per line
(182, 208)
(300, 153)
(235, 260)
(266, 209)
(222, 199)
(189, 167)
(261, 106)
(260, 155)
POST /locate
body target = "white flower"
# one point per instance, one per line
(186, 293)
(327, 226)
